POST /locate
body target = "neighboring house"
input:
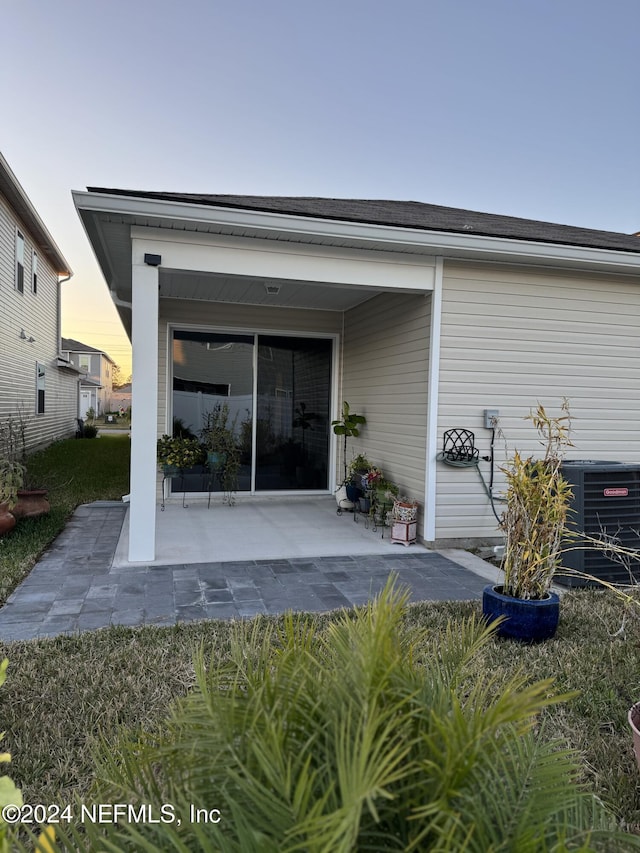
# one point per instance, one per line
(96, 383)
(421, 316)
(37, 385)
(121, 397)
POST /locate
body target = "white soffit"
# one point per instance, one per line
(246, 290)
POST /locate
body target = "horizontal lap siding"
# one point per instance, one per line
(37, 314)
(511, 338)
(385, 364)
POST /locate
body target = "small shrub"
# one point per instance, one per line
(364, 735)
(90, 431)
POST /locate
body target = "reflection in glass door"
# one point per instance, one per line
(292, 414)
(289, 378)
(212, 371)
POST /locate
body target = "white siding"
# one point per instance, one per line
(385, 363)
(512, 338)
(37, 314)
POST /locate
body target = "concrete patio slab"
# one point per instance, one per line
(260, 528)
(347, 566)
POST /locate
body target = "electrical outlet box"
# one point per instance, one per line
(491, 418)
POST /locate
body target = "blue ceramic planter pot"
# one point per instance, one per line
(525, 620)
(215, 459)
(353, 492)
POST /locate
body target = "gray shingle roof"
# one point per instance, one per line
(71, 345)
(405, 214)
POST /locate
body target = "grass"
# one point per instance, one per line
(75, 472)
(119, 424)
(64, 694)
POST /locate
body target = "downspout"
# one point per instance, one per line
(433, 405)
(59, 320)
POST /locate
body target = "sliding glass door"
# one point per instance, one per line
(292, 435)
(275, 391)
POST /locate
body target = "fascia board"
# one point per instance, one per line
(21, 203)
(441, 243)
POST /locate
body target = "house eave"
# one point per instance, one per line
(64, 364)
(11, 188)
(268, 225)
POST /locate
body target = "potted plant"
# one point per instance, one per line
(348, 426)
(405, 509)
(367, 482)
(359, 467)
(30, 499)
(11, 479)
(384, 493)
(176, 454)
(534, 523)
(222, 446)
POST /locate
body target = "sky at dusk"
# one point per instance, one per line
(521, 107)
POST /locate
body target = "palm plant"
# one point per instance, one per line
(343, 738)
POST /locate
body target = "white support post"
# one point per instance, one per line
(144, 406)
(433, 405)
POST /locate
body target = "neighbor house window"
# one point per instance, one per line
(34, 272)
(40, 385)
(84, 362)
(19, 261)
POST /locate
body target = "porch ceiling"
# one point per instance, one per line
(246, 290)
(110, 235)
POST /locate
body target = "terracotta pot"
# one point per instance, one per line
(7, 519)
(529, 620)
(31, 503)
(634, 722)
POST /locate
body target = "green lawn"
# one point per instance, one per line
(75, 472)
(63, 695)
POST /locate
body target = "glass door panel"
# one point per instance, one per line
(292, 417)
(212, 371)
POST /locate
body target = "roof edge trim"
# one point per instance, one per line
(436, 242)
(23, 207)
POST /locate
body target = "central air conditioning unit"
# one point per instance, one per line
(606, 500)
